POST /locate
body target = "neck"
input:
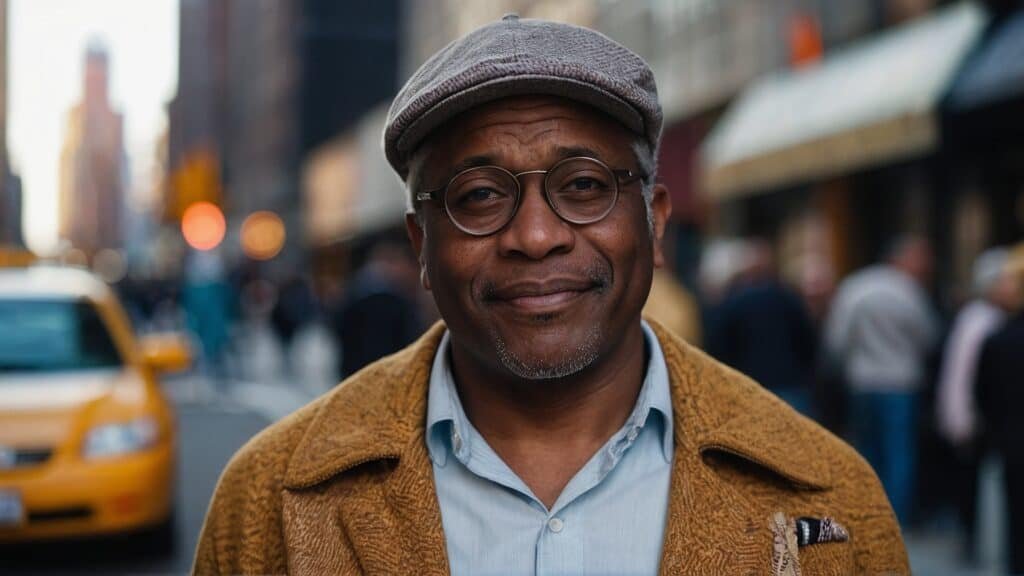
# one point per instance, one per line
(583, 408)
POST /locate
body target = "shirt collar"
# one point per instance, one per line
(445, 413)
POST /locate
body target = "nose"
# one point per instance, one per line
(535, 231)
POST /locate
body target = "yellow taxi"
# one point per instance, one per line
(87, 438)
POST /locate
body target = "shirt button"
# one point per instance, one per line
(456, 441)
(632, 434)
(556, 525)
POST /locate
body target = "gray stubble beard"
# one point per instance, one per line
(583, 356)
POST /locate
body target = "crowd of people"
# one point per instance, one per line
(925, 395)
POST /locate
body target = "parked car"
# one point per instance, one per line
(87, 437)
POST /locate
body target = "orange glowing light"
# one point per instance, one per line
(263, 235)
(203, 226)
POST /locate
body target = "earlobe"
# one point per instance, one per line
(661, 209)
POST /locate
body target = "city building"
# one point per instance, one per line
(262, 84)
(93, 164)
(10, 183)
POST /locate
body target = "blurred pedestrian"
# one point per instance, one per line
(378, 315)
(956, 413)
(881, 328)
(295, 307)
(545, 427)
(764, 330)
(207, 301)
(674, 306)
(1000, 383)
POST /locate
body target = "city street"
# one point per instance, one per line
(209, 435)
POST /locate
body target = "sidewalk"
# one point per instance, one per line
(265, 378)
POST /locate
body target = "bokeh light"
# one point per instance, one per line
(263, 235)
(203, 226)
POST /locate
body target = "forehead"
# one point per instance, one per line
(525, 130)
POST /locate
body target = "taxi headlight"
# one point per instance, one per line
(120, 438)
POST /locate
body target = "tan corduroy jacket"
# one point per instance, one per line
(345, 484)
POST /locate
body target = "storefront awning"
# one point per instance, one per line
(996, 72)
(871, 103)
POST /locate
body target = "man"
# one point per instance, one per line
(378, 315)
(1001, 400)
(881, 329)
(995, 292)
(544, 428)
(763, 329)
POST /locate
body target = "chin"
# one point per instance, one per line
(537, 359)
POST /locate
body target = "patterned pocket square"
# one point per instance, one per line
(819, 531)
(791, 535)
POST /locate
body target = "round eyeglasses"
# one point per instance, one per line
(483, 199)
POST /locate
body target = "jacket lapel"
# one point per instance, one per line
(709, 525)
(360, 489)
(712, 525)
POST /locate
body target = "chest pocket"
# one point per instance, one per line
(827, 558)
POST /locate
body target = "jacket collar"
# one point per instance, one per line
(380, 414)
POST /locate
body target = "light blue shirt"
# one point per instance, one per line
(609, 519)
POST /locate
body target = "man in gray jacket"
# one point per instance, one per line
(881, 329)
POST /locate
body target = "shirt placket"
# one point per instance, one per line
(560, 542)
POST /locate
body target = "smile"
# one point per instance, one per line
(541, 297)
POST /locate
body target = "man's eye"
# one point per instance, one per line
(584, 184)
(479, 195)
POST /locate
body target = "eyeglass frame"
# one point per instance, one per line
(623, 177)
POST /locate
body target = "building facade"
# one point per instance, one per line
(10, 184)
(93, 164)
(262, 83)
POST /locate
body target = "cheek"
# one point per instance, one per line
(624, 238)
(626, 244)
(451, 264)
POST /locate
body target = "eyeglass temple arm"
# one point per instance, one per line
(428, 195)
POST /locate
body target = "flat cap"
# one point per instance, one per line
(514, 57)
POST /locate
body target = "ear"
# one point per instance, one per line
(661, 209)
(414, 229)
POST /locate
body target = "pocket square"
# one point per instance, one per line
(819, 531)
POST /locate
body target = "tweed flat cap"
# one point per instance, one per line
(514, 57)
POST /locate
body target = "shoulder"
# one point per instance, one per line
(243, 529)
(371, 408)
(783, 457)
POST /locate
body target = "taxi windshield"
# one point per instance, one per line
(50, 335)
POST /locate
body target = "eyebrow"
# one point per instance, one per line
(471, 162)
(563, 152)
(571, 151)
(484, 160)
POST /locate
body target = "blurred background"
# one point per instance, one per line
(848, 187)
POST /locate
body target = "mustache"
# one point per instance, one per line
(597, 274)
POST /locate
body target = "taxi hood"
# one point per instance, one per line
(40, 409)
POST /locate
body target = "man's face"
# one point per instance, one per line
(540, 298)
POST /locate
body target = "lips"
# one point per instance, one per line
(540, 296)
